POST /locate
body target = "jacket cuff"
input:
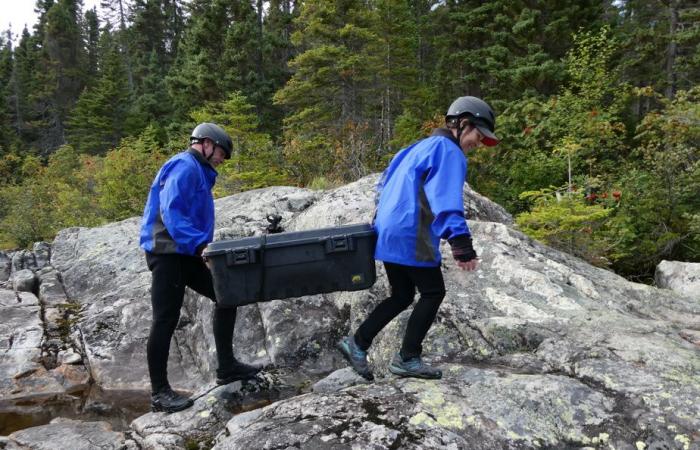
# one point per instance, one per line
(462, 248)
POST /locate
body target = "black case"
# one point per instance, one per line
(292, 264)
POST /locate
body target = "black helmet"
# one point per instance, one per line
(479, 114)
(215, 133)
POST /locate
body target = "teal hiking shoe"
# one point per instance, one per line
(414, 367)
(355, 356)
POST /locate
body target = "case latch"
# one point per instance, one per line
(336, 244)
(240, 256)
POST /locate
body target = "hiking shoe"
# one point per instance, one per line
(414, 367)
(169, 401)
(237, 372)
(355, 356)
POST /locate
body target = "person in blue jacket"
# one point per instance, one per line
(420, 203)
(178, 223)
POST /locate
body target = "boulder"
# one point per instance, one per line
(63, 434)
(29, 392)
(213, 406)
(680, 277)
(5, 266)
(24, 280)
(23, 259)
(42, 254)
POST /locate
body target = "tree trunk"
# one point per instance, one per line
(672, 49)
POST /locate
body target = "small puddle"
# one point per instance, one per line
(116, 408)
(120, 408)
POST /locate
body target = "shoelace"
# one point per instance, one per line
(358, 352)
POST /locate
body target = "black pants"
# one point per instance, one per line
(403, 281)
(171, 273)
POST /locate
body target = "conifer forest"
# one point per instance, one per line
(597, 103)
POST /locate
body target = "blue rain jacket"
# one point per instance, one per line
(420, 201)
(179, 212)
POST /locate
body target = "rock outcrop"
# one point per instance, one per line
(680, 277)
(538, 349)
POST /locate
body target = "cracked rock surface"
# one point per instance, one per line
(538, 349)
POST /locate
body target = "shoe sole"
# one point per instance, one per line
(160, 408)
(346, 354)
(234, 378)
(406, 374)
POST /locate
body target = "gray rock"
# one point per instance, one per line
(20, 344)
(26, 386)
(338, 380)
(497, 409)
(5, 266)
(69, 357)
(42, 254)
(680, 277)
(63, 434)
(213, 407)
(23, 259)
(51, 292)
(24, 280)
(8, 444)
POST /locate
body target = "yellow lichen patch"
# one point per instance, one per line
(641, 445)
(512, 435)
(211, 399)
(422, 419)
(446, 414)
(204, 414)
(666, 395)
(450, 416)
(683, 439)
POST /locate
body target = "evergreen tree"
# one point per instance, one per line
(396, 55)
(660, 46)
(92, 42)
(502, 50)
(327, 131)
(277, 51)
(29, 91)
(219, 53)
(117, 12)
(7, 135)
(197, 72)
(63, 75)
(98, 119)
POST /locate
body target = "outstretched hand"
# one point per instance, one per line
(468, 265)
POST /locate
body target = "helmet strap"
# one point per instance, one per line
(460, 128)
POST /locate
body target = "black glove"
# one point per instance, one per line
(462, 249)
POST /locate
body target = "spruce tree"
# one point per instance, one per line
(97, 122)
(327, 131)
(63, 75)
(7, 135)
